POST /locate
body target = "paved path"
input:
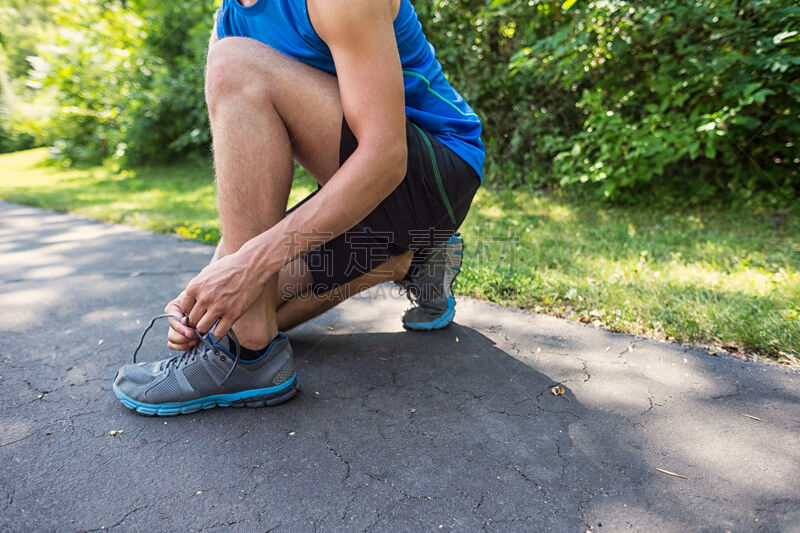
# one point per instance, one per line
(393, 431)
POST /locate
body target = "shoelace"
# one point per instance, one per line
(208, 345)
(407, 290)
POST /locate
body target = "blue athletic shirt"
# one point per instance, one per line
(431, 102)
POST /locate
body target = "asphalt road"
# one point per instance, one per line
(392, 431)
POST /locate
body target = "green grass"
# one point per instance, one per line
(719, 277)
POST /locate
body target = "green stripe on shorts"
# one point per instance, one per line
(436, 172)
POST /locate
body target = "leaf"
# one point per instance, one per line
(558, 390)
(784, 36)
(694, 149)
(571, 294)
(568, 4)
(761, 95)
(745, 121)
(711, 151)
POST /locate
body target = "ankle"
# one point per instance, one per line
(255, 338)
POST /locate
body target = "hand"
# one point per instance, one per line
(180, 337)
(222, 291)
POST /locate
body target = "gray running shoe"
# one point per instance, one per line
(208, 375)
(430, 288)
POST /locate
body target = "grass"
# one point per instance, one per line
(719, 277)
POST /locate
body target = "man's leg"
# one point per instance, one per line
(297, 303)
(265, 109)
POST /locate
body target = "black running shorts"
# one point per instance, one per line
(424, 210)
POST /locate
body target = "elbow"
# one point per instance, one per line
(397, 162)
(388, 161)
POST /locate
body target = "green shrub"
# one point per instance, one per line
(90, 67)
(692, 97)
(625, 98)
(170, 119)
(678, 93)
(127, 80)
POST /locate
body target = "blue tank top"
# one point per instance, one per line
(431, 102)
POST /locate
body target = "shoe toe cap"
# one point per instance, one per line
(132, 380)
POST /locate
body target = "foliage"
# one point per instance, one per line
(666, 85)
(627, 98)
(90, 73)
(123, 79)
(23, 25)
(170, 119)
(625, 93)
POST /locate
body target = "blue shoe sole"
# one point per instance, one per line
(438, 323)
(269, 396)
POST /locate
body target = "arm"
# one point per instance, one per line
(360, 35)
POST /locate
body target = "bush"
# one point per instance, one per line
(678, 92)
(619, 97)
(170, 119)
(127, 80)
(690, 96)
(90, 68)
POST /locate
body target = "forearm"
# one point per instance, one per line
(365, 180)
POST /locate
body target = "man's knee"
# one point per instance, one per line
(233, 72)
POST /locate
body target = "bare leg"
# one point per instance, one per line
(297, 304)
(265, 109)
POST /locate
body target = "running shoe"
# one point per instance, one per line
(430, 287)
(206, 376)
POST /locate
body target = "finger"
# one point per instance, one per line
(187, 305)
(223, 326)
(177, 337)
(206, 322)
(174, 308)
(198, 312)
(187, 329)
(181, 347)
(180, 327)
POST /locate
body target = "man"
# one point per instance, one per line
(352, 91)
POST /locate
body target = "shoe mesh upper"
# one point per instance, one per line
(139, 374)
(165, 391)
(198, 378)
(285, 373)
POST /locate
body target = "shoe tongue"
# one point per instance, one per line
(225, 343)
